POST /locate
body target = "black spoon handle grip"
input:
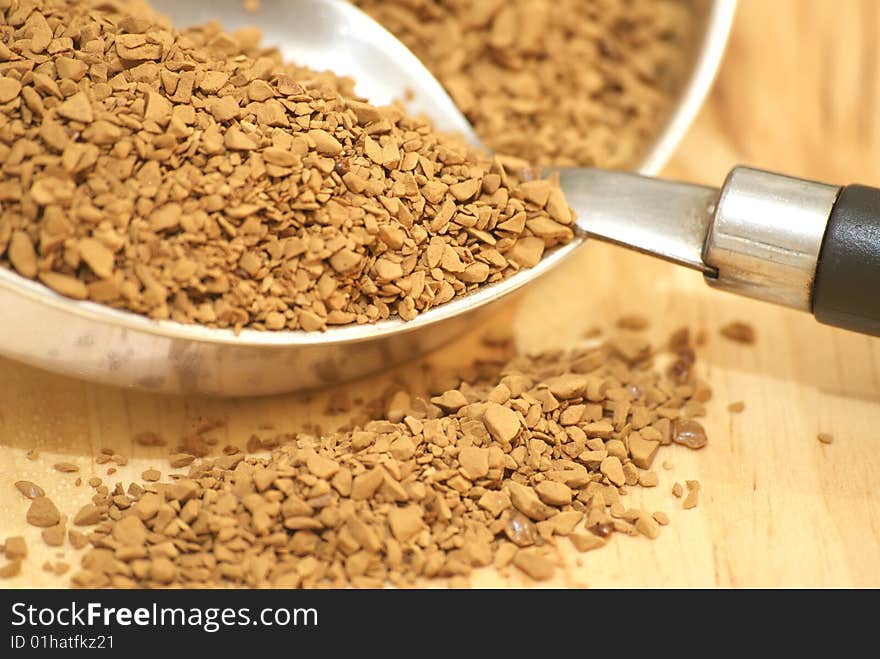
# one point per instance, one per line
(846, 290)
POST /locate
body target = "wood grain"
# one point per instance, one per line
(799, 92)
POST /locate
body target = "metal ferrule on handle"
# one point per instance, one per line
(766, 236)
(802, 244)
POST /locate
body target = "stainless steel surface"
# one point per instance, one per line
(100, 344)
(666, 219)
(766, 236)
(333, 35)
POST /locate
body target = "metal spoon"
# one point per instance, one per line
(671, 220)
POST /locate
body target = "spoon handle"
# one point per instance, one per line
(846, 292)
(799, 243)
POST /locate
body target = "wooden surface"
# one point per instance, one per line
(799, 92)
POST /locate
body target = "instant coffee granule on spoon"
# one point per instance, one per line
(516, 458)
(194, 176)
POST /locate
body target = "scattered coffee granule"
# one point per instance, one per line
(15, 548)
(534, 563)
(78, 540)
(634, 323)
(30, 490)
(737, 407)
(677, 490)
(647, 525)
(739, 332)
(508, 462)
(65, 467)
(11, 569)
(690, 433)
(57, 569)
(825, 437)
(693, 488)
(31, 453)
(661, 518)
(148, 438)
(194, 176)
(151, 475)
(54, 535)
(178, 460)
(43, 512)
(88, 515)
(649, 479)
(564, 82)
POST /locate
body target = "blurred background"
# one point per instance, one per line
(799, 91)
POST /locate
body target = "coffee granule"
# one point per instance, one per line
(633, 322)
(43, 513)
(739, 332)
(15, 548)
(30, 490)
(54, 535)
(737, 407)
(825, 438)
(693, 491)
(149, 438)
(564, 82)
(690, 433)
(452, 484)
(151, 475)
(194, 176)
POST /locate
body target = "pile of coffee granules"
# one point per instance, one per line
(194, 176)
(498, 470)
(565, 82)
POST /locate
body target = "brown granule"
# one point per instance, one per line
(148, 438)
(565, 82)
(77, 539)
(825, 438)
(690, 433)
(30, 490)
(737, 407)
(11, 569)
(151, 475)
(693, 491)
(739, 332)
(194, 176)
(54, 535)
(15, 548)
(43, 513)
(647, 525)
(661, 518)
(178, 460)
(633, 322)
(65, 467)
(88, 515)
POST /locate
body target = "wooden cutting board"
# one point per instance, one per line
(799, 92)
